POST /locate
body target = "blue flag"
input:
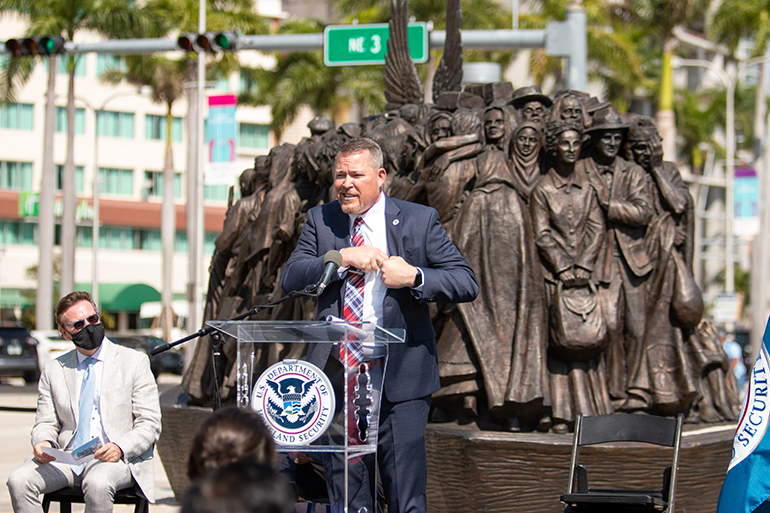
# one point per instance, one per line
(747, 485)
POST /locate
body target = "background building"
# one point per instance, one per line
(131, 136)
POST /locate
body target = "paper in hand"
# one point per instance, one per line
(78, 456)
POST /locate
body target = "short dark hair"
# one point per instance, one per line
(360, 145)
(230, 434)
(244, 486)
(70, 299)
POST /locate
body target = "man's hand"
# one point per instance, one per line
(396, 273)
(109, 453)
(300, 458)
(40, 456)
(365, 258)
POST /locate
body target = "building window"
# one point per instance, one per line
(16, 175)
(149, 240)
(155, 128)
(208, 243)
(16, 116)
(84, 236)
(153, 184)
(116, 181)
(115, 124)
(78, 178)
(222, 85)
(80, 65)
(180, 242)
(106, 62)
(254, 136)
(14, 232)
(80, 120)
(247, 84)
(111, 237)
(215, 192)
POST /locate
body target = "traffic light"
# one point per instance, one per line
(186, 42)
(225, 42)
(25, 46)
(35, 46)
(208, 42)
(49, 45)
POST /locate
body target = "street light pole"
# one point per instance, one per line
(95, 234)
(730, 84)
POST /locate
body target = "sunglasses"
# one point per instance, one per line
(79, 325)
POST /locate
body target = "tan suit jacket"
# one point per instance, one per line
(128, 403)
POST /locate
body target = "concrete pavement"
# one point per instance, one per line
(15, 428)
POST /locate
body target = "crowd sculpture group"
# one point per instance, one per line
(581, 237)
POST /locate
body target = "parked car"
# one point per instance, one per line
(50, 345)
(18, 352)
(170, 361)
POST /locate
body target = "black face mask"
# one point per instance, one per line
(90, 337)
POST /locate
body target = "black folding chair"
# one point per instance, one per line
(622, 427)
(74, 495)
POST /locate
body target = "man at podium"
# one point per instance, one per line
(396, 258)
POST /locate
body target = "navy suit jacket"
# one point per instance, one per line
(415, 234)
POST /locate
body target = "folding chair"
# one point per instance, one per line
(74, 495)
(622, 427)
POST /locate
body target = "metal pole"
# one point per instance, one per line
(761, 271)
(729, 191)
(46, 223)
(95, 232)
(196, 244)
(95, 228)
(577, 61)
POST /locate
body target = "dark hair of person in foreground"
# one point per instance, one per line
(244, 486)
(230, 434)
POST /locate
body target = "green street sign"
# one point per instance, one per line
(359, 45)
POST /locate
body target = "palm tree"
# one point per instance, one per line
(614, 59)
(170, 17)
(658, 18)
(166, 77)
(111, 18)
(735, 20)
(301, 78)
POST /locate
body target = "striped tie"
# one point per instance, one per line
(353, 305)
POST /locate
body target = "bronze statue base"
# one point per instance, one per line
(471, 470)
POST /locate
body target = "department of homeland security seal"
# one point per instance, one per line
(296, 401)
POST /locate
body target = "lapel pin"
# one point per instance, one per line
(395, 222)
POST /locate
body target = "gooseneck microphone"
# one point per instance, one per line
(332, 261)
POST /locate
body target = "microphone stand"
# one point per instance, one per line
(313, 290)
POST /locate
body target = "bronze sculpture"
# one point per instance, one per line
(479, 156)
(569, 230)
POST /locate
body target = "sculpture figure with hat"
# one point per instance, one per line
(623, 265)
(531, 104)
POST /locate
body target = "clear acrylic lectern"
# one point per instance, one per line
(310, 407)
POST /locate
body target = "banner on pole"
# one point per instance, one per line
(221, 141)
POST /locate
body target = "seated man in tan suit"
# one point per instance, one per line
(99, 390)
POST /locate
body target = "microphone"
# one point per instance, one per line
(332, 260)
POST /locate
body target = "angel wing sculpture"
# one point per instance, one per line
(402, 84)
(449, 73)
